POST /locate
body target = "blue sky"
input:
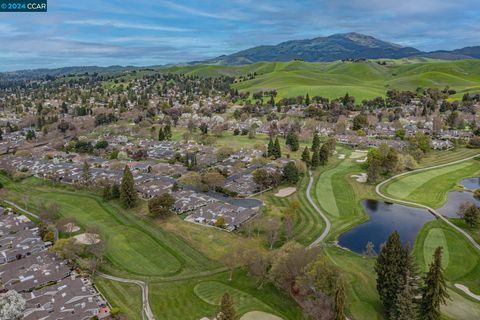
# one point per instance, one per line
(153, 32)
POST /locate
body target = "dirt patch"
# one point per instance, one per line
(362, 177)
(88, 238)
(259, 315)
(467, 291)
(285, 192)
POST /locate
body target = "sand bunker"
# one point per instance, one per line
(362, 177)
(259, 315)
(467, 291)
(361, 160)
(71, 227)
(358, 154)
(341, 156)
(88, 238)
(285, 192)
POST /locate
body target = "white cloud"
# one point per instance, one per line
(233, 15)
(126, 25)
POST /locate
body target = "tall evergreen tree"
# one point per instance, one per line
(168, 131)
(128, 194)
(306, 156)
(339, 299)
(406, 304)
(292, 141)
(434, 290)
(272, 101)
(227, 310)
(270, 148)
(307, 100)
(161, 134)
(86, 175)
(115, 191)
(291, 173)
(323, 155)
(315, 162)
(277, 150)
(107, 192)
(390, 269)
(316, 142)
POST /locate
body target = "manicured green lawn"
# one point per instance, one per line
(363, 300)
(196, 298)
(125, 296)
(474, 232)
(129, 248)
(339, 195)
(185, 282)
(138, 248)
(307, 223)
(435, 238)
(135, 246)
(436, 157)
(461, 263)
(430, 187)
(212, 291)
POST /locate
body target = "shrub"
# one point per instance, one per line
(476, 193)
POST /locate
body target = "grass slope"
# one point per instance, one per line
(461, 263)
(339, 196)
(139, 248)
(307, 223)
(363, 80)
(430, 187)
(193, 299)
(125, 296)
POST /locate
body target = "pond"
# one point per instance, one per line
(384, 219)
(455, 200)
(387, 217)
(471, 183)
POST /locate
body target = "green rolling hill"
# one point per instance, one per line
(364, 80)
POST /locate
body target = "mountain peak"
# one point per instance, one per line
(340, 46)
(364, 40)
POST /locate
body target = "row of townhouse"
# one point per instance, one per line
(361, 141)
(19, 237)
(203, 209)
(52, 290)
(233, 216)
(166, 150)
(147, 184)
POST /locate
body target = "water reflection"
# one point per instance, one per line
(455, 200)
(384, 219)
(471, 183)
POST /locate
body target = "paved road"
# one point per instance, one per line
(433, 211)
(328, 225)
(142, 285)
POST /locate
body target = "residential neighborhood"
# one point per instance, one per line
(47, 283)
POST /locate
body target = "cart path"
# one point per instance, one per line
(328, 224)
(433, 211)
